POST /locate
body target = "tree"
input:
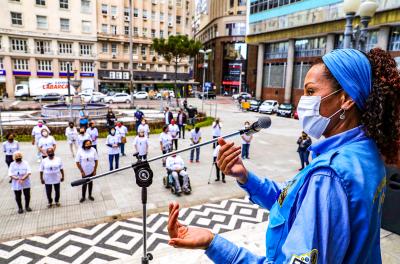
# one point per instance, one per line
(174, 49)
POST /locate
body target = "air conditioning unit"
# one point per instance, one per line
(144, 17)
(126, 18)
(170, 24)
(114, 17)
(140, 65)
(114, 55)
(154, 2)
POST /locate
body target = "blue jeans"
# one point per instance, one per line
(304, 157)
(245, 151)
(122, 145)
(111, 158)
(197, 154)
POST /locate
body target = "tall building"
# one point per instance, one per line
(292, 34)
(224, 33)
(151, 19)
(38, 38)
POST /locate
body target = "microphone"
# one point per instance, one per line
(262, 123)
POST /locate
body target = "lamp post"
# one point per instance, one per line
(130, 52)
(205, 65)
(366, 11)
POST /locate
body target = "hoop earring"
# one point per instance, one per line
(343, 115)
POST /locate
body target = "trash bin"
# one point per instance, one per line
(391, 205)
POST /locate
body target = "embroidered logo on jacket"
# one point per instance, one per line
(284, 192)
(307, 258)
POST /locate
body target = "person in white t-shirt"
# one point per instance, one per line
(72, 137)
(195, 138)
(215, 157)
(246, 142)
(51, 174)
(87, 160)
(93, 134)
(176, 165)
(46, 142)
(36, 135)
(113, 142)
(145, 127)
(165, 142)
(141, 143)
(10, 146)
(173, 130)
(20, 172)
(82, 137)
(122, 132)
(216, 130)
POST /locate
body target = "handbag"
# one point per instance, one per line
(123, 140)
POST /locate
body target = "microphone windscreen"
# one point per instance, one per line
(264, 122)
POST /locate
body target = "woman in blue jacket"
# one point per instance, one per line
(330, 212)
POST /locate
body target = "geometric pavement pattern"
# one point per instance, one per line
(120, 239)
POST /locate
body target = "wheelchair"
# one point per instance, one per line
(169, 183)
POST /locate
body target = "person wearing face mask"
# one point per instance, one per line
(216, 130)
(83, 119)
(36, 135)
(110, 118)
(145, 127)
(122, 132)
(139, 115)
(175, 166)
(113, 142)
(304, 142)
(82, 137)
(246, 142)
(10, 146)
(87, 160)
(195, 138)
(141, 143)
(165, 142)
(46, 142)
(93, 134)
(173, 130)
(51, 174)
(20, 172)
(181, 119)
(330, 212)
(72, 137)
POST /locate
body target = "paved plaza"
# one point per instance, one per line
(273, 154)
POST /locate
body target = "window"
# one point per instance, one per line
(151, 51)
(113, 29)
(21, 64)
(1, 64)
(126, 30)
(42, 46)
(44, 65)
(19, 45)
(103, 64)
(299, 74)
(153, 15)
(243, 2)
(395, 39)
(16, 18)
(179, 3)
(126, 66)
(153, 33)
(170, 19)
(114, 47)
(161, 17)
(262, 5)
(41, 22)
(144, 32)
(85, 6)
(104, 9)
(135, 12)
(126, 11)
(104, 28)
(87, 66)
(64, 66)
(235, 29)
(144, 50)
(274, 75)
(64, 47)
(310, 47)
(64, 4)
(115, 65)
(135, 32)
(232, 3)
(113, 10)
(134, 49)
(276, 50)
(126, 47)
(41, 2)
(178, 19)
(85, 49)
(64, 24)
(161, 33)
(86, 26)
(104, 47)
(145, 14)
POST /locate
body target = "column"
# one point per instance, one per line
(10, 80)
(260, 70)
(383, 37)
(289, 72)
(55, 68)
(33, 67)
(330, 42)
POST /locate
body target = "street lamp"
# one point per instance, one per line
(130, 52)
(366, 10)
(205, 65)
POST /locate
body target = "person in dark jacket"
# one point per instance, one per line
(304, 142)
(110, 119)
(181, 119)
(168, 116)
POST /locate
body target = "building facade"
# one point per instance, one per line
(224, 33)
(151, 19)
(292, 34)
(39, 38)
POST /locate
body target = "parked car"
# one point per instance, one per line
(49, 97)
(141, 95)
(86, 97)
(241, 95)
(118, 98)
(165, 94)
(285, 110)
(207, 95)
(254, 105)
(269, 107)
(98, 97)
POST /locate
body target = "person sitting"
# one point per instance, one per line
(176, 165)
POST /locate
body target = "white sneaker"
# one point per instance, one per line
(39, 160)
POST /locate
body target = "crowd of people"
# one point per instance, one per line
(83, 145)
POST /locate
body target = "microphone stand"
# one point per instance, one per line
(144, 178)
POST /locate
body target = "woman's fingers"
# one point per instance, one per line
(223, 163)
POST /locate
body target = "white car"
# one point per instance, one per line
(98, 97)
(86, 97)
(269, 107)
(243, 95)
(118, 98)
(141, 95)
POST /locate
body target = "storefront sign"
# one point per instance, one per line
(22, 73)
(65, 74)
(2, 72)
(45, 74)
(87, 74)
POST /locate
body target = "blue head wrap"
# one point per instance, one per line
(351, 68)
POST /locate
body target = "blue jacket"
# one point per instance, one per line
(329, 213)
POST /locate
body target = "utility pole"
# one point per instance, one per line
(69, 90)
(130, 52)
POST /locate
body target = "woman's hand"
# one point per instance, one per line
(184, 236)
(229, 161)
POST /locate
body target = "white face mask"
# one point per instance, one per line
(311, 121)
